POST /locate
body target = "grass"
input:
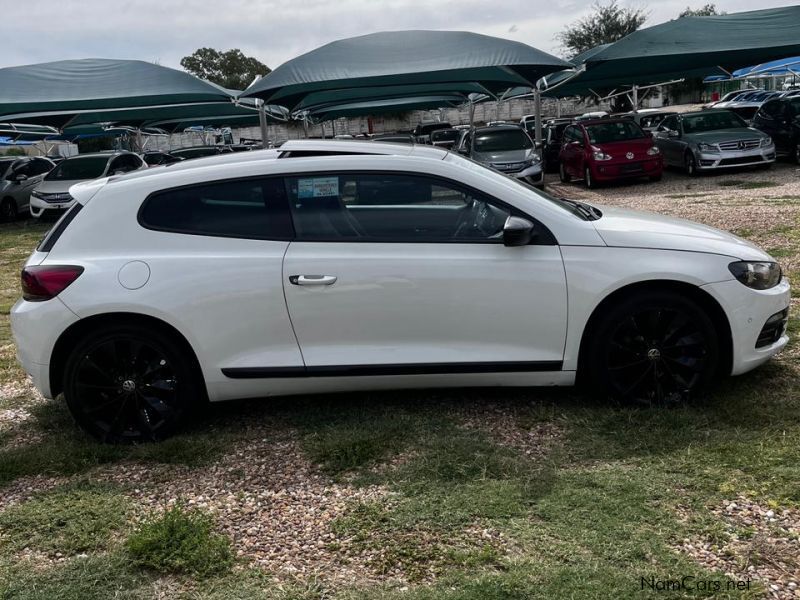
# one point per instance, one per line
(180, 541)
(463, 516)
(743, 184)
(68, 520)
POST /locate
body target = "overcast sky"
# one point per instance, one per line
(274, 31)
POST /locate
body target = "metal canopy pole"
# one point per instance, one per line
(635, 98)
(537, 114)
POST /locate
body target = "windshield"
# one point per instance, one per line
(88, 167)
(571, 206)
(501, 140)
(618, 131)
(711, 121)
(445, 135)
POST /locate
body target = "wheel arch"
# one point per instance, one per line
(702, 298)
(70, 336)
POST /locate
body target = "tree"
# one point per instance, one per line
(607, 23)
(704, 11)
(231, 69)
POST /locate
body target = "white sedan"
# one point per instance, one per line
(333, 266)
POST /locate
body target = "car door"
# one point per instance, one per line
(400, 273)
(668, 143)
(571, 151)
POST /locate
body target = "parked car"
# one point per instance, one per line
(605, 150)
(732, 97)
(397, 138)
(506, 148)
(712, 139)
(18, 177)
(648, 118)
(552, 132)
(423, 130)
(445, 138)
(467, 278)
(780, 119)
(198, 151)
(52, 196)
(156, 158)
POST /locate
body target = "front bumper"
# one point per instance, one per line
(609, 171)
(748, 311)
(730, 159)
(41, 207)
(36, 326)
(533, 175)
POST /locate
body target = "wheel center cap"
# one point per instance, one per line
(654, 354)
(128, 385)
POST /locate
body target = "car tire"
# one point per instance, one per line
(657, 348)
(588, 179)
(8, 210)
(126, 384)
(690, 164)
(562, 174)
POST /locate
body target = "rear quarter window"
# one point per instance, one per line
(251, 209)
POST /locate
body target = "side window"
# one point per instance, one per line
(39, 167)
(20, 167)
(769, 111)
(253, 209)
(669, 124)
(391, 208)
(125, 163)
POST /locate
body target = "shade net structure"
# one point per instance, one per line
(54, 93)
(383, 106)
(689, 47)
(395, 58)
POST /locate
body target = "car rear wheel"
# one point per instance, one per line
(8, 210)
(653, 348)
(562, 174)
(690, 164)
(128, 385)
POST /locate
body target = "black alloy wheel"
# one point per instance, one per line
(8, 210)
(690, 164)
(655, 349)
(127, 386)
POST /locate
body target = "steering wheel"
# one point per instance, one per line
(467, 226)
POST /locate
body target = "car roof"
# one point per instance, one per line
(332, 147)
(589, 122)
(502, 127)
(107, 154)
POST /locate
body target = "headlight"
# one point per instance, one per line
(757, 275)
(653, 151)
(707, 147)
(600, 155)
(767, 141)
(36, 194)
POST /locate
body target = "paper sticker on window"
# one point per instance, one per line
(318, 187)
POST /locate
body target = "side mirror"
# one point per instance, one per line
(20, 178)
(673, 134)
(517, 231)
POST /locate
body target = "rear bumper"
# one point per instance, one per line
(36, 326)
(652, 167)
(748, 311)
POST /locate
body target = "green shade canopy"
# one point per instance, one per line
(393, 58)
(386, 105)
(692, 46)
(72, 86)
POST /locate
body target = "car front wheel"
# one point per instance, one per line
(562, 174)
(653, 348)
(690, 164)
(128, 385)
(8, 210)
(588, 179)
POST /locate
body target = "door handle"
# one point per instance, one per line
(312, 279)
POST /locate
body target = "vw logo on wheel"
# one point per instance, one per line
(629, 155)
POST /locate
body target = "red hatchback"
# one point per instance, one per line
(604, 150)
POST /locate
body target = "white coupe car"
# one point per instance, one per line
(332, 265)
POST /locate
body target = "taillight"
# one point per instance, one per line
(44, 282)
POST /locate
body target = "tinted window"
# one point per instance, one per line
(125, 164)
(5, 163)
(87, 167)
(501, 139)
(445, 135)
(39, 166)
(614, 132)
(391, 208)
(670, 123)
(253, 209)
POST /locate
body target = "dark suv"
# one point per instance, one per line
(780, 119)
